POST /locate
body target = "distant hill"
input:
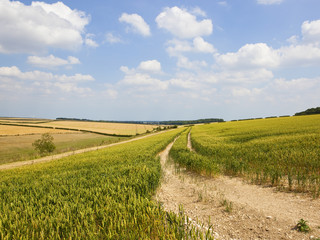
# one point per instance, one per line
(309, 111)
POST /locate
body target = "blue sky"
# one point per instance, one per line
(159, 60)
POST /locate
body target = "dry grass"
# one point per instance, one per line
(6, 130)
(103, 127)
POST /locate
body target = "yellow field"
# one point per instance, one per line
(23, 120)
(6, 130)
(102, 127)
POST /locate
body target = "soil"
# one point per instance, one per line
(236, 209)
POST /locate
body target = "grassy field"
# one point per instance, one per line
(19, 148)
(103, 194)
(278, 151)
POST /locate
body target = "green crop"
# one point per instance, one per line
(104, 194)
(191, 160)
(279, 151)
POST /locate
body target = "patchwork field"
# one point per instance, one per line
(6, 130)
(125, 129)
(19, 148)
(102, 127)
(23, 120)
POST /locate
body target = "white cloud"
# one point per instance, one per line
(223, 3)
(269, 2)
(293, 39)
(202, 46)
(152, 66)
(240, 92)
(252, 76)
(187, 84)
(33, 28)
(298, 85)
(110, 38)
(299, 56)
(52, 61)
(90, 42)
(143, 82)
(177, 47)
(137, 23)
(199, 12)
(250, 56)
(111, 93)
(311, 31)
(300, 53)
(183, 24)
(44, 81)
(184, 62)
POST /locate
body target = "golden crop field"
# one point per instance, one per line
(102, 127)
(23, 120)
(6, 130)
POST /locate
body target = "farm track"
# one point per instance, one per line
(237, 210)
(66, 154)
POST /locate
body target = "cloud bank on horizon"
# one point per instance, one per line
(160, 61)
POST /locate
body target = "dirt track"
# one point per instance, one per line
(58, 156)
(237, 210)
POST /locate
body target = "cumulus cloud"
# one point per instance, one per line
(250, 56)
(153, 66)
(182, 24)
(90, 42)
(198, 45)
(182, 83)
(143, 82)
(110, 38)
(198, 12)
(311, 31)
(52, 61)
(269, 2)
(184, 62)
(33, 28)
(45, 81)
(140, 78)
(202, 46)
(137, 24)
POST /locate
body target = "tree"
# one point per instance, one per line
(44, 145)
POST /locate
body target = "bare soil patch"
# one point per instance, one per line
(236, 209)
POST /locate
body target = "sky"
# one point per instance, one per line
(159, 60)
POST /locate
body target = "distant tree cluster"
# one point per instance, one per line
(188, 122)
(309, 111)
(174, 122)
